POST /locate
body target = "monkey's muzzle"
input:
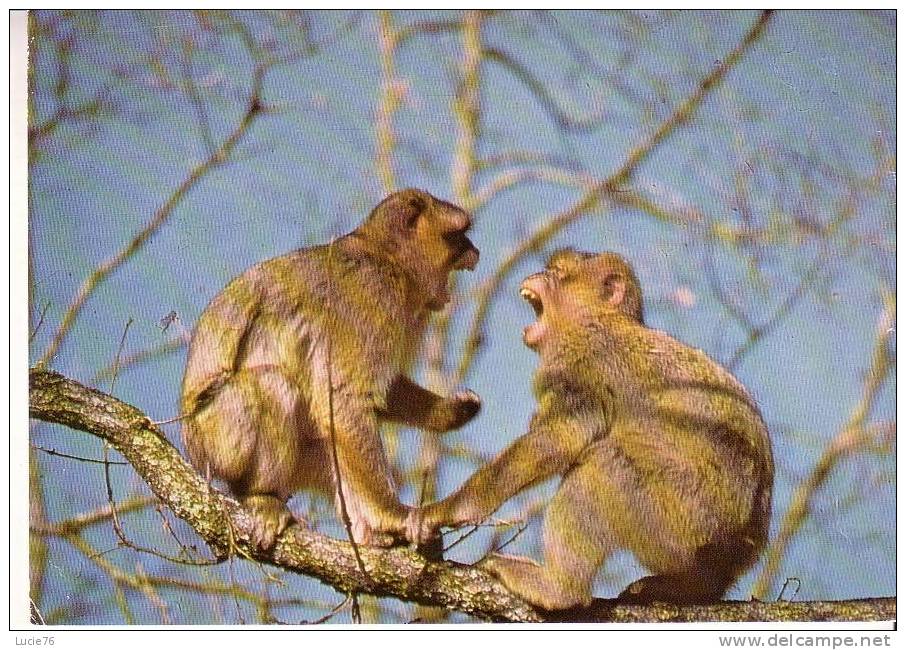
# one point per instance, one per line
(533, 291)
(467, 257)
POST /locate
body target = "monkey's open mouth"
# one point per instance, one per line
(533, 299)
(532, 290)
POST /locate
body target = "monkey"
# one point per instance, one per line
(293, 366)
(660, 449)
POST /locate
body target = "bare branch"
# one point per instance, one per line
(60, 454)
(758, 332)
(77, 523)
(511, 178)
(389, 101)
(855, 434)
(427, 27)
(109, 266)
(143, 356)
(467, 112)
(605, 188)
(560, 116)
(227, 528)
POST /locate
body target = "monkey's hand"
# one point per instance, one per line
(408, 402)
(458, 409)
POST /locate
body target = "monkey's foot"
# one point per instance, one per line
(500, 564)
(381, 540)
(677, 589)
(534, 583)
(271, 517)
(423, 524)
(366, 534)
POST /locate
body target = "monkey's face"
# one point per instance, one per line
(427, 238)
(577, 287)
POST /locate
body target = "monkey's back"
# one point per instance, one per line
(285, 320)
(279, 312)
(687, 432)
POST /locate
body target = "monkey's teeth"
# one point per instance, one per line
(533, 299)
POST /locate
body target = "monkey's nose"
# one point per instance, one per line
(534, 279)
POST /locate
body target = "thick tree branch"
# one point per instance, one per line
(397, 572)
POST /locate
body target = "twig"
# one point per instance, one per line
(472, 530)
(344, 512)
(146, 586)
(74, 525)
(427, 27)
(466, 110)
(854, 434)
(388, 102)
(514, 537)
(142, 356)
(170, 582)
(510, 178)
(37, 327)
(60, 454)
(38, 549)
(201, 113)
(561, 117)
(109, 266)
(758, 332)
(466, 106)
(786, 583)
(63, 112)
(602, 189)
(329, 615)
(119, 352)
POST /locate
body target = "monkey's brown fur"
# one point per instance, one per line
(661, 450)
(256, 388)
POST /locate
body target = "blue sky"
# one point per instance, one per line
(804, 110)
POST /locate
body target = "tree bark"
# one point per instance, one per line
(397, 572)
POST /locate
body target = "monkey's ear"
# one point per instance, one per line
(405, 209)
(614, 289)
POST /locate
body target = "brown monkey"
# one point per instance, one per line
(256, 389)
(661, 450)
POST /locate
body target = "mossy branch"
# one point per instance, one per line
(397, 572)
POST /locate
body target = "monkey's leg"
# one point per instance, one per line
(409, 403)
(577, 540)
(257, 446)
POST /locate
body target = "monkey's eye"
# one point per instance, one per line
(455, 236)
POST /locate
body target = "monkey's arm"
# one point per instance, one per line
(552, 444)
(364, 473)
(409, 403)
